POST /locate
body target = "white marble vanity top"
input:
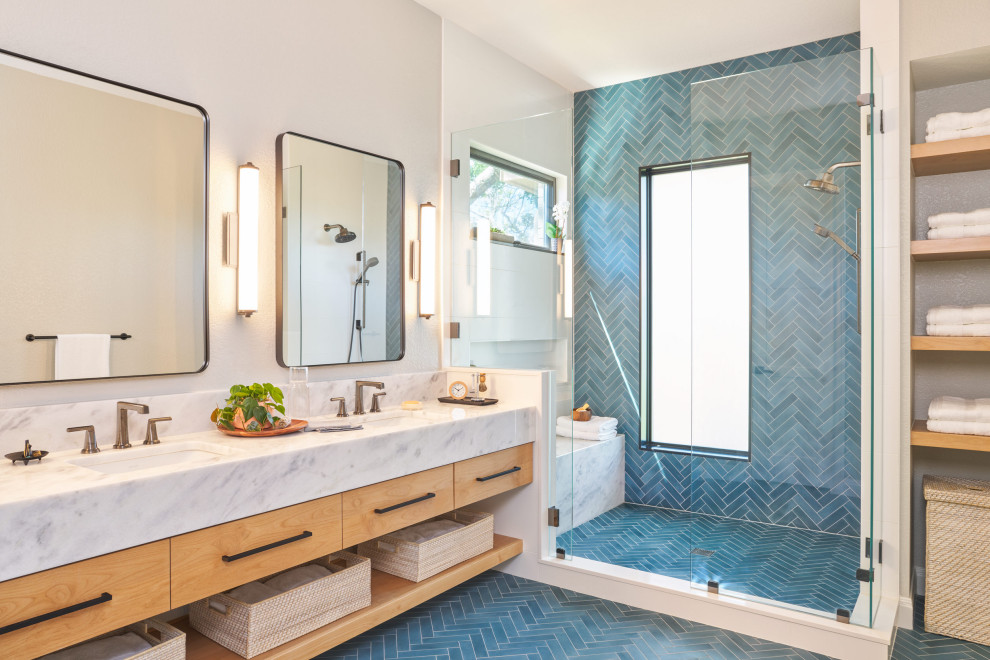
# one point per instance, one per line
(62, 510)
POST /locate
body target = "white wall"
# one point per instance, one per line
(362, 74)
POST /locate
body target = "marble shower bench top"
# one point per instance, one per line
(55, 512)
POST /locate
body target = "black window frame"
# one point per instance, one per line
(522, 170)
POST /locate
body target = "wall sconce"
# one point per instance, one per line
(247, 239)
(425, 260)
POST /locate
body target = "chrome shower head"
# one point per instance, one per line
(826, 184)
(344, 235)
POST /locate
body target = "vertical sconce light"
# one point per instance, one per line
(247, 239)
(426, 260)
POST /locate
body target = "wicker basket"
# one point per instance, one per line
(167, 643)
(957, 575)
(251, 629)
(418, 561)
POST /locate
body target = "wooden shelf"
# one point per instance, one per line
(390, 596)
(922, 437)
(951, 156)
(951, 249)
(926, 343)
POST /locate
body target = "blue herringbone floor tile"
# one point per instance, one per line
(538, 622)
(790, 565)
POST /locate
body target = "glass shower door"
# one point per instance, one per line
(781, 490)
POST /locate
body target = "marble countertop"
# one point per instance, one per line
(56, 512)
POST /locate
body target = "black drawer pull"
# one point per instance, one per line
(248, 553)
(402, 504)
(499, 474)
(103, 598)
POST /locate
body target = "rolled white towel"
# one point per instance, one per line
(118, 647)
(297, 577)
(954, 121)
(950, 315)
(952, 219)
(942, 136)
(962, 231)
(603, 435)
(958, 409)
(958, 330)
(967, 428)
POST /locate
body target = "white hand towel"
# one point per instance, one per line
(566, 432)
(118, 647)
(297, 577)
(253, 592)
(959, 330)
(954, 121)
(962, 231)
(950, 315)
(967, 428)
(942, 136)
(957, 409)
(951, 219)
(82, 356)
(593, 425)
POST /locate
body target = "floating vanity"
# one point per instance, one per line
(154, 528)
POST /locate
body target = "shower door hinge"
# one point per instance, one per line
(843, 616)
(455, 167)
(285, 212)
(869, 550)
(455, 330)
(863, 100)
(881, 121)
(869, 125)
(713, 587)
(553, 517)
(561, 553)
(864, 574)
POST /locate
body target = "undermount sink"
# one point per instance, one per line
(146, 457)
(384, 419)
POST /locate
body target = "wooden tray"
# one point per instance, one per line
(296, 425)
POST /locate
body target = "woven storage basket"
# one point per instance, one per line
(167, 643)
(418, 561)
(249, 630)
(957, 574)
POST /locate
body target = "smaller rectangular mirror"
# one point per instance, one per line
(340, 239)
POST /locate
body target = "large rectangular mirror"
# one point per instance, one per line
(340, 287)
(103, 211)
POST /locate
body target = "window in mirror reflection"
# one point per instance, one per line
(511, 199)
(697, 266)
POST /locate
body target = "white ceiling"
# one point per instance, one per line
(582, 44)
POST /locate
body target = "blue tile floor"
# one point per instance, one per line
(496, 615)
(800, 567)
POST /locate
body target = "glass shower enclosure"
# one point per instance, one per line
(746, 411)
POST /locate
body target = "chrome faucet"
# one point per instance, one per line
(123, 442)
(359, 396)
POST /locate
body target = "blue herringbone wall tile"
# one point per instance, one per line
(795, 120)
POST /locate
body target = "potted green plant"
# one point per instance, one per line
(555, 229)
(252, 408)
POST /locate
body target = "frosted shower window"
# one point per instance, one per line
(510, 198)
(697, 232)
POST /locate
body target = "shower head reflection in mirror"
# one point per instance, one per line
(344, 235)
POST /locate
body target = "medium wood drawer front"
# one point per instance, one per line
(211, 560)
(82, 600)
(491, 474)
(380, 508)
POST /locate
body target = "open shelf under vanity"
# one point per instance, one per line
(390, 596)
(922, 437)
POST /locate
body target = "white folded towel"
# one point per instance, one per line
(566, 432)
(961, 231)
(951, 315)
(952, 219)
(82, 356)
(957, 409)
(968, 428)
(426, 531)
(954, 121)
(958, 330)
(962, 133)
(297, 577)
(593, 425)
(118, 647)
